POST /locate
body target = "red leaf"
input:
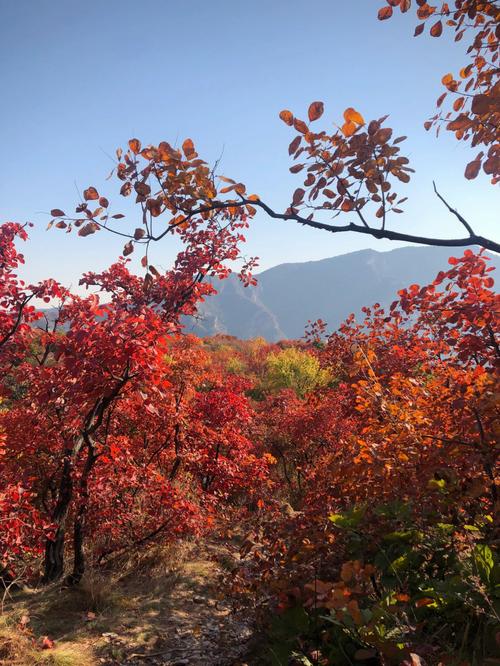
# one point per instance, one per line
(472, 169)
(437, 29)
(128, 249)
(90, 194)
(143, 189)
(126, 189)
(298, 196)
(88, 229)
(300, 126)
(294, 145)
(315, 110)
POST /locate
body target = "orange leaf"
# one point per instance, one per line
(188, 148)
(47, 643)
(425, 601)
(465, 72)
(135, 146)
(287, 117)
(353, 116)
(384, 13)
(348, 128)
(315, 110)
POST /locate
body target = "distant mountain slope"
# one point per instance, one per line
(289, 294)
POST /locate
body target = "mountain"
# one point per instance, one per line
(287, 295)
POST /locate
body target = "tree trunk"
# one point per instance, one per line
(78, 538)
(54, 557)
(79, 527)
(54, 548)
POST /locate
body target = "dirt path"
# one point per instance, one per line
(172, 612)
(195, 627)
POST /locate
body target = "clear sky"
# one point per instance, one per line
(79, 79)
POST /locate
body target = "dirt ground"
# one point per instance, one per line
(169, 611)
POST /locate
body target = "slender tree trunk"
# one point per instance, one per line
(78, 539)
(54, 548)
(79, 526)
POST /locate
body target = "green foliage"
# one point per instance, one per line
(283, 634)
(429, 590)
(294, 369)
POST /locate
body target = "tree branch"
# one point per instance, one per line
(379, 234)
(454, 211)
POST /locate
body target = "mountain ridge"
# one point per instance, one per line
(290, 294)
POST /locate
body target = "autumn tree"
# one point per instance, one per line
(294, 369)
(75, 383)
(397, 470)
(21, 522)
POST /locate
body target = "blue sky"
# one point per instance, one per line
(81, 78)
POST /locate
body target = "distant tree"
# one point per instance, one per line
(294, 369)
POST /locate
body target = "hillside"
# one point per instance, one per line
(288, 295)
